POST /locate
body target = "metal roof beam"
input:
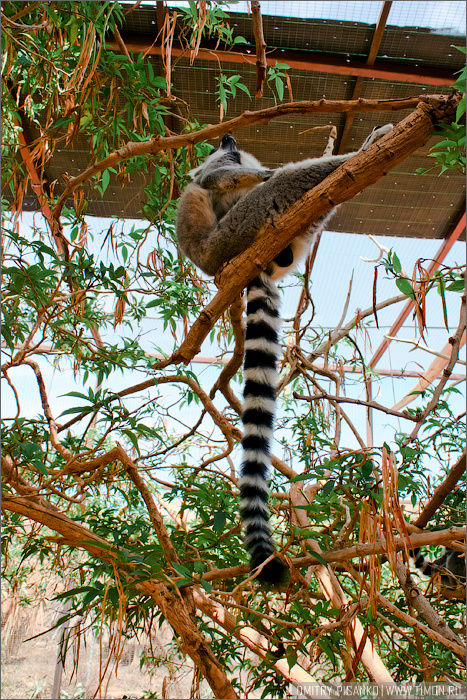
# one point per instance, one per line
(298, 60)
(373, 52)
(440, 255)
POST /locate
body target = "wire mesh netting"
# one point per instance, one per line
(401, 204)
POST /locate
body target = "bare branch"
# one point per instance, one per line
(235, 362)
(358, 402)
(63, 451)
(455, 342)
(430, 374)
(159, 143)
(446, 486)
(423, 607)
(365, 168)
(261, 64)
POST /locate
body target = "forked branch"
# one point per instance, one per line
(364, 169)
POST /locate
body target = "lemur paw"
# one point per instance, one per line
(377, 133)
(380, 131)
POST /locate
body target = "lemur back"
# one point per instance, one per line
(232, 196)
(450, 567)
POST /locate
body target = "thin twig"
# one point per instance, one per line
(358, 402)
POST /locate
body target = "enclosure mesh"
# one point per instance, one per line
(402, 203)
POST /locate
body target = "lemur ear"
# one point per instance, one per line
(193, 173)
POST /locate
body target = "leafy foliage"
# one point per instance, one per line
(449, 153)
(105, 317)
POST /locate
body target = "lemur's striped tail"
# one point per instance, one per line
(422, 564)
(261, 352)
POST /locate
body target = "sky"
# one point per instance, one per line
(436, 14)
(339, 259)
(339, 255)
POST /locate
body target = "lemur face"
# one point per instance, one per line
(226, 155)
(228, 144)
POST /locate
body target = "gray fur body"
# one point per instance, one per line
(232, 197)
(219, 216)
(449, 567)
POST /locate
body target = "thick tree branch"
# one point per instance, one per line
(159, 143)
(261, 63)
(423, 607)
(171, 606)
(362, 549)
(446, 486)
(363, 169)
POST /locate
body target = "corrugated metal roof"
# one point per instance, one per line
(400, 204)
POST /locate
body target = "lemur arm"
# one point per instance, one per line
(233, 178)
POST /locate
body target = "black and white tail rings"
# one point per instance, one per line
(261, 353)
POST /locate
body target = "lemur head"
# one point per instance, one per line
(226, 155)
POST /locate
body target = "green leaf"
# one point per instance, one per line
(302, 477)
(441, 292)
(405, 287)
(396, 263)
(328, 487)
(40, 466)
(73, 31)
(446, 143)
(77, 395)
(243, 87)
(105, 180)
(77, 409)
(456, 286)
(133, 439)
(326, 647)
(279, 88)
(366, 469)
(7, 336)
(29, 449)
(318, 557)
(206, 585)
(153, 303)
(460, 109)
(292, 659)
(219, 520)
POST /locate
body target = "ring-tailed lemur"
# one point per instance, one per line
(450, 566)
(232, 196)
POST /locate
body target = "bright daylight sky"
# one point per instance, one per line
(436, 14)
(338, 255)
